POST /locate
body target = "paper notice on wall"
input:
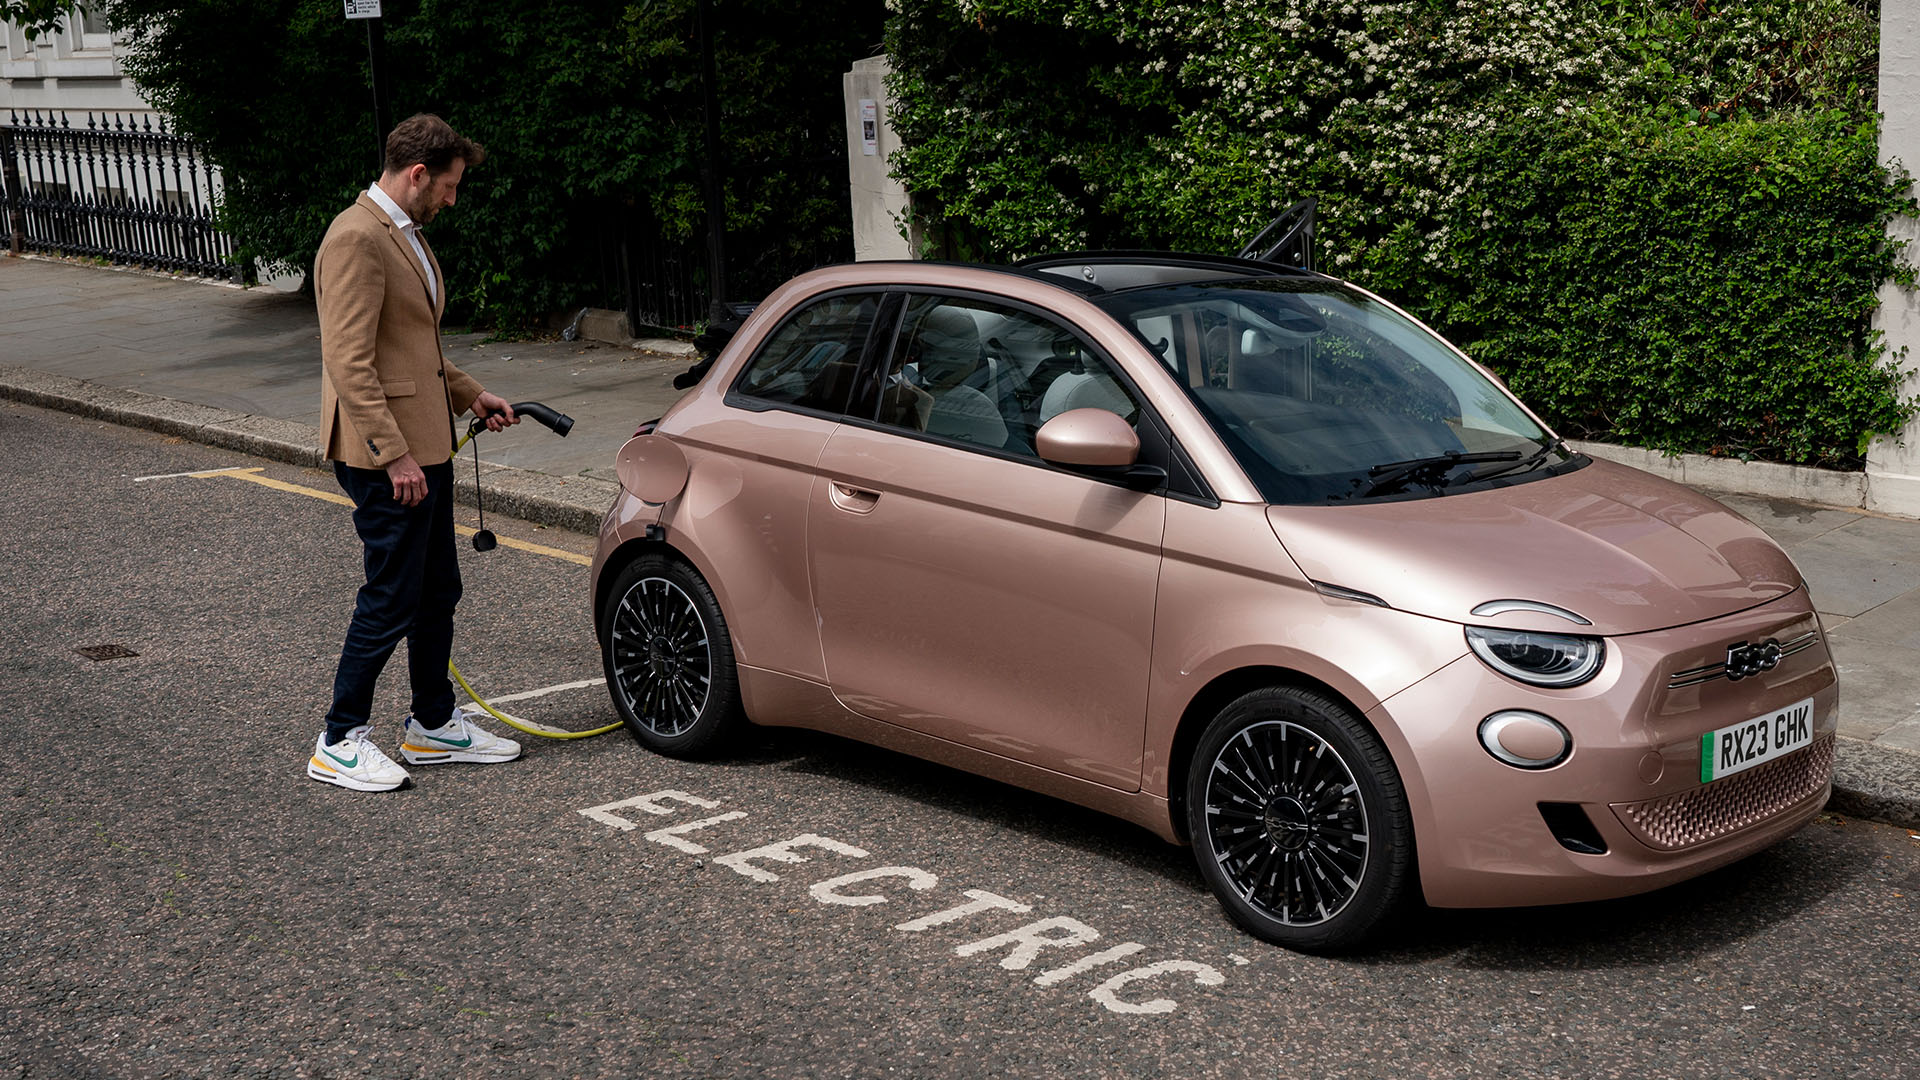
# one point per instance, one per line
(869, 127)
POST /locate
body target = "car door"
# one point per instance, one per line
(965, 588)
(760, 452)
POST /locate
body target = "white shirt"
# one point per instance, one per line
(412, 232)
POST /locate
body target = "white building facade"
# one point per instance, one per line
(72, 71)
(90, 167)
(1893, 464)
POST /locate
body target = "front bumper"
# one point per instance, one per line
(1634, 773)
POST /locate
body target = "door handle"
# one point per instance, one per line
(851, 499)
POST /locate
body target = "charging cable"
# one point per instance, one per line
(559, 423)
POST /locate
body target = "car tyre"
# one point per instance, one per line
(1298, 819)
(669, 658)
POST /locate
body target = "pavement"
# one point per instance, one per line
(237, 369)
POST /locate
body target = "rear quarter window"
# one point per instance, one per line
(810, 361)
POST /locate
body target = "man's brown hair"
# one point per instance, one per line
(425, 139)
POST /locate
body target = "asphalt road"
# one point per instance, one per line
(181, 900)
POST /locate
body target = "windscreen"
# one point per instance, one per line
(1325, 394)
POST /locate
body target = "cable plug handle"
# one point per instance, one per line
(552, 419)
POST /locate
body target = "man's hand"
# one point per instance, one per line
(494, 410)
(409, 483)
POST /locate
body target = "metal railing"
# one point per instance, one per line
(666, 283)
(120, 187)
(663, 283)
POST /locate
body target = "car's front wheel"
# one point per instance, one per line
(1298, 819)
(669, 658)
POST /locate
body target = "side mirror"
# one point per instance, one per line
(1096, 443)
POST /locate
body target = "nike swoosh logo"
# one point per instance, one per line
(461, 743)
(344, 762)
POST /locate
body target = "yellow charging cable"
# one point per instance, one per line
(520, 723)
(515, 722)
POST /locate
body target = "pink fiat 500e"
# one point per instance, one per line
(1240, 553)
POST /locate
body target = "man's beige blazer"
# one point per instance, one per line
(385, 387)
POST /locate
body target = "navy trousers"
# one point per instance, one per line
(413, 583)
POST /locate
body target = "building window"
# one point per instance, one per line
(93, 31)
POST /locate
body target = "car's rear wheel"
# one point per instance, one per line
(1298, 819)
(669, 658)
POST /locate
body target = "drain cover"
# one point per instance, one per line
(106, 652)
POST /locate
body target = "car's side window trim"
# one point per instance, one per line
(879, 358)
(875, 360)
(1184, 481)
(740, 399)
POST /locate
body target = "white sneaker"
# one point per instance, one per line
(354, 762)
(459, 740)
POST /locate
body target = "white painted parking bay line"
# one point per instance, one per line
(545, 690)
(200, 472)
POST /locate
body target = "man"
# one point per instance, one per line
(387, 402)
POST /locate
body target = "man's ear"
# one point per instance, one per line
(417, 174)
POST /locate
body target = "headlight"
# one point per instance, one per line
(1539, 659)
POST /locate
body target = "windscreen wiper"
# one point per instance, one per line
(1532, 461)
(1394, 474)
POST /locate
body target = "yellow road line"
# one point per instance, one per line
(253, 476)
(195, 473)
(537, 549)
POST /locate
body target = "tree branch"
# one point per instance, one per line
(36, 17)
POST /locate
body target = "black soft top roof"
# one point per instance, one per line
(1283, 249)
(1092, 272)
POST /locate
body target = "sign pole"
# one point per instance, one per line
(369, 11)
(711, 173)
(376, 42)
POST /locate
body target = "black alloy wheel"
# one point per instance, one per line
(669, 658)
(1298, 819)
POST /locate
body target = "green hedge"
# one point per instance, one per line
(1663, 223)
(591, 112)
(1701, 289)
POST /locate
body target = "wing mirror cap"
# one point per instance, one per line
(1087, 437)
(1096, 443)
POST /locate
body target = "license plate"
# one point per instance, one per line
(1755, 742)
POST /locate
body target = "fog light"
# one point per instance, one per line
(1525, 740)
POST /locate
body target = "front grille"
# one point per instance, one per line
(1696, 676)
(1707, 813)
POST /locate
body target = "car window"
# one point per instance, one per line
(1319, 390)
(811, 360)
(992, 375)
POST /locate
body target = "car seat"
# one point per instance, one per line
(1082, 390)
(949, 359)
